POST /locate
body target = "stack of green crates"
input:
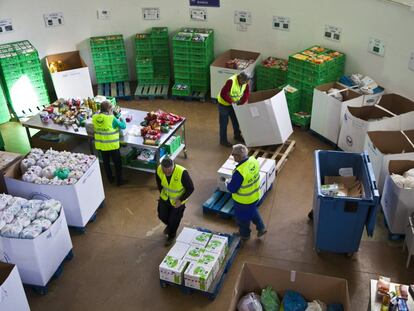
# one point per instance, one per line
(153, 56)
(193, 52)
(4, 109)
(109, 59)
(271, 73)
(21, 60)
(307, 70)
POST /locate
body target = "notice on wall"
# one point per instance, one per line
(210, 3)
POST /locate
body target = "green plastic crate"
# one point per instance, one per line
(159, 32)
(173, 144)
(301, 120)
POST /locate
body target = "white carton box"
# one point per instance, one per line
(218, 244)
(397, 203)
(268, 166)
(263, 184)
(12, 295)
(219, 73)
(223, 175)
(179, 250)
(198, 276)
(210, 259)
(327, 111)
(38, 259)
(194, 253)
(201, 239)
(265, 119)
(393, 113)
(383, 146)
(172, 269)
(80, 200)
(187, 235)
(74, 81)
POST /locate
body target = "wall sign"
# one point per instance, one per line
(211, 3)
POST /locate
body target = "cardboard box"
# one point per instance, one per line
(38, 259)
(218, 244)
(12, 295)
(263, 184)
(327, 111)
(6, 160)
(219, 73)
(194, 253)
(255, 277)
(224, 174)
(348, 186)
(397, 203)
(393, 113)
(80, 200)
(186, 235)
(179, 250)
(383, 146)
(198, 276)
(75, 81)
(172, 269)
(265, 119)
(268, 166)
(210, 259)
(201, 239)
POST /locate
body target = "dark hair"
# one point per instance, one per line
(243, 77)
(167, 162)
(105, 106)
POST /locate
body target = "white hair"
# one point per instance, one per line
(241, 150)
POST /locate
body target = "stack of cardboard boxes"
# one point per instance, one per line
(195, 259)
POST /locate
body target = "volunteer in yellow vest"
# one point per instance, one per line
(175, 186)
(235, 91)
(245, 189)
(106, 129)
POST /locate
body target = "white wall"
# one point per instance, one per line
(359, 19)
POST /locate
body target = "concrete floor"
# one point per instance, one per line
(116, 261)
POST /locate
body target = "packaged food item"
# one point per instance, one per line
(43, 223)
(30, 232)
(11, 230)
(383, 285)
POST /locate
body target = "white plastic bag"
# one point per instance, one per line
(48, 214)
(26, 164)
(249, 302)
(409, 173)
(316, 305)
(11, 230)
(398, 180)
(54, 205)
(42, 223)
(22, 220)
(30, 232)
(6, 216)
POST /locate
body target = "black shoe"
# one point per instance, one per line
(225, 144)
(122, 182)
(239, 138)
(166, 230)
(169, 241)
(261, 233)
(310, 215)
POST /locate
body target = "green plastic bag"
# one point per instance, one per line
(269, 299)
(62, 173)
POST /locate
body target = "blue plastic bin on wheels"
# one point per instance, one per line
(340, 221)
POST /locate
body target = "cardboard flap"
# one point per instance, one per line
(390, 142)
(346, 93)
(352, 187)
(13, 171)
(397, 104)
(71, 60)
(400, 166)
(230, 54)
(5, 270)
(261, 96)
(368, 112)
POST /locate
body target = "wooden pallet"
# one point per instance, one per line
(119, 90)
(152, 91)
(195, 96)
(279, 153)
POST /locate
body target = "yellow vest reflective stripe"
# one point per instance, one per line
(249, 191)
(175, 189)
(106, 137)
(236, 92)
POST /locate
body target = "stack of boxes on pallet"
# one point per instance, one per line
(308, 69)
(153, 57)
(109, 59)
(195, 259)
(22, 78)
(193, 52)
(271, 73)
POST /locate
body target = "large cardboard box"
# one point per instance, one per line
(198, 276)
(172, 269)
(397, 203)
(393, 113)
(75, 81)
(6, 160)
(219, 73)
(383, 146)
(268, 166)
(80, 200)
(255, 277)
(265, 119)
(12, 295)
(327, 110)
(38, 259)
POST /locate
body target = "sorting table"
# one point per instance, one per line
(125, 139)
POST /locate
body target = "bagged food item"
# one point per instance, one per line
(398, 180)
(36, 157)
(6, 198)
(48, 214)
(62, 173)
(6, 216)
(35, 169)
(2, 223)
(383, 285)
(14, 208)
(335, 93)
(269, 299)
(293, 301)
(26, 164)
(52, 153)
(27, 212)
(11, 230)
(37, 151)
(409, 182)
(409, 173)
(76, 174)
(48, 172)
(316, 305)
(18, 201)
(53, 204)
(30, 232)
(43, 223)
(22, 220)
(3, 205)
(249, 302)
(43, 162)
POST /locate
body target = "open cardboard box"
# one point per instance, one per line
(80, 201)
(75, 81)
(12, 295)
(265, 119)
(7, 159)
(383, 146)
(327, 110)
(393, 113)
(397, 203)
(255, 277)
(219, 73)
(349, 186)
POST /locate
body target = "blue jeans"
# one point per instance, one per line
(226, 112)
(243, 220)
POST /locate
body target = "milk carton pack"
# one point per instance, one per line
(268, 166)
(194, 253)
(187, 235)
(198, 276)
(179, 250)
(201, 239)
(210, 259)
(218, 244)
(172, 269)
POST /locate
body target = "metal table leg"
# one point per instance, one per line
(29, 136)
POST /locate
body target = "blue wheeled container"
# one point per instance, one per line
(340, 221)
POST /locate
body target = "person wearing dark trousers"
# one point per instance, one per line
(235, 91)
(245, 189)
(175, 187)
(106, 129)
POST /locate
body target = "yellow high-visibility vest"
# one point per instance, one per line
(106, 137)
(249, 191)
(236, 92)
(174, 189)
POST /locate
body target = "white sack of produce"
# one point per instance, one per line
(405, 181)
(409, 173)
(250, 302)
(26, 163)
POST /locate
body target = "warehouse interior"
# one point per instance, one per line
(117, 256)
